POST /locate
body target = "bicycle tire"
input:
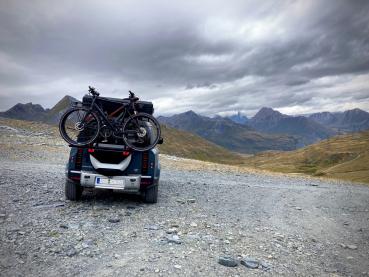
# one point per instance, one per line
(94, 127)
(136, 117)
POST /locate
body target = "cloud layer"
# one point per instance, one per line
(214, 57)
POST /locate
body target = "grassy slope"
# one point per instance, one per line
(343, 157)
(176, 142)
(34, 126)
(188, 145)
(62, 105)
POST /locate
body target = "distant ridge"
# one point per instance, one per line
(239, 118)
(267, 130)
(304, 129)
(349, 121)
(35, 112)
(27, 111)
(228, 134)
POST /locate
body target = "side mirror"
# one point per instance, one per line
(161, 140)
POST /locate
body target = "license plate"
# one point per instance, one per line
(101, 182)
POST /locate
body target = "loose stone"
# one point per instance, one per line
(250, 263)
(227, 261)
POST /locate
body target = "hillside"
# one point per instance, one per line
(342, 157)
(228, 134)
(176, 142)
(54, 114)
(184, 144)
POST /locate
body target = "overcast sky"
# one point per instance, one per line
(214, 57)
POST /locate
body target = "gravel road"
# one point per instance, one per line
(291, 226)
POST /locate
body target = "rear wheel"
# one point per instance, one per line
(141, 132)
(73, 191)
(150, 195)
(79, 127)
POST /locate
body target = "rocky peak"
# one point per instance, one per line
(323, 117)
(266, 113)
(239, 118)
(189, 115)
(27, 111)
(355, 115)
(54, 114)
(28, 107)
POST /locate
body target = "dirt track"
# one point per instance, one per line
(291, 225)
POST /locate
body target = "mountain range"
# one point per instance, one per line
(230, 135)
(35, 112)
(307, 131)
(267, 130)
(349, 121)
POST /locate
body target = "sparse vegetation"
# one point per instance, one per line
(188, 145)
(342, 157)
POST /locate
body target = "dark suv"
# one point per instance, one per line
(109, 164)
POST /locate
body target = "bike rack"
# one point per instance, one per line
(109, 147)
(103, 146)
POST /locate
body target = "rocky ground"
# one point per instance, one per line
(207, 215)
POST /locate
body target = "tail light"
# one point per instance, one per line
(145, 163)
(126, 153)
(91, 150)
(79, 159)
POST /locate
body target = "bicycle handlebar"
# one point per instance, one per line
(93, 91)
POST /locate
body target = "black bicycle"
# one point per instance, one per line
(81, 126)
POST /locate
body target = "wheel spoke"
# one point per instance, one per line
(79, 116)
(86, 122)
(141, 132)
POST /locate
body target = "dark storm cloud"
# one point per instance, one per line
(209, 56)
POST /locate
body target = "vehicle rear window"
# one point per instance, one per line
(112, 157)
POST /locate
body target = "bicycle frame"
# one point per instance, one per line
(104, 118)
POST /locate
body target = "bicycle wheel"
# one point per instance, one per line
(141, 132)
(79, 127)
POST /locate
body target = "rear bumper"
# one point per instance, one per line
(84, 170)
(129, 184)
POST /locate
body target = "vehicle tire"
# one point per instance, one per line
(136, 133)
(150, 195)
(73, 191)
(79, 126)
